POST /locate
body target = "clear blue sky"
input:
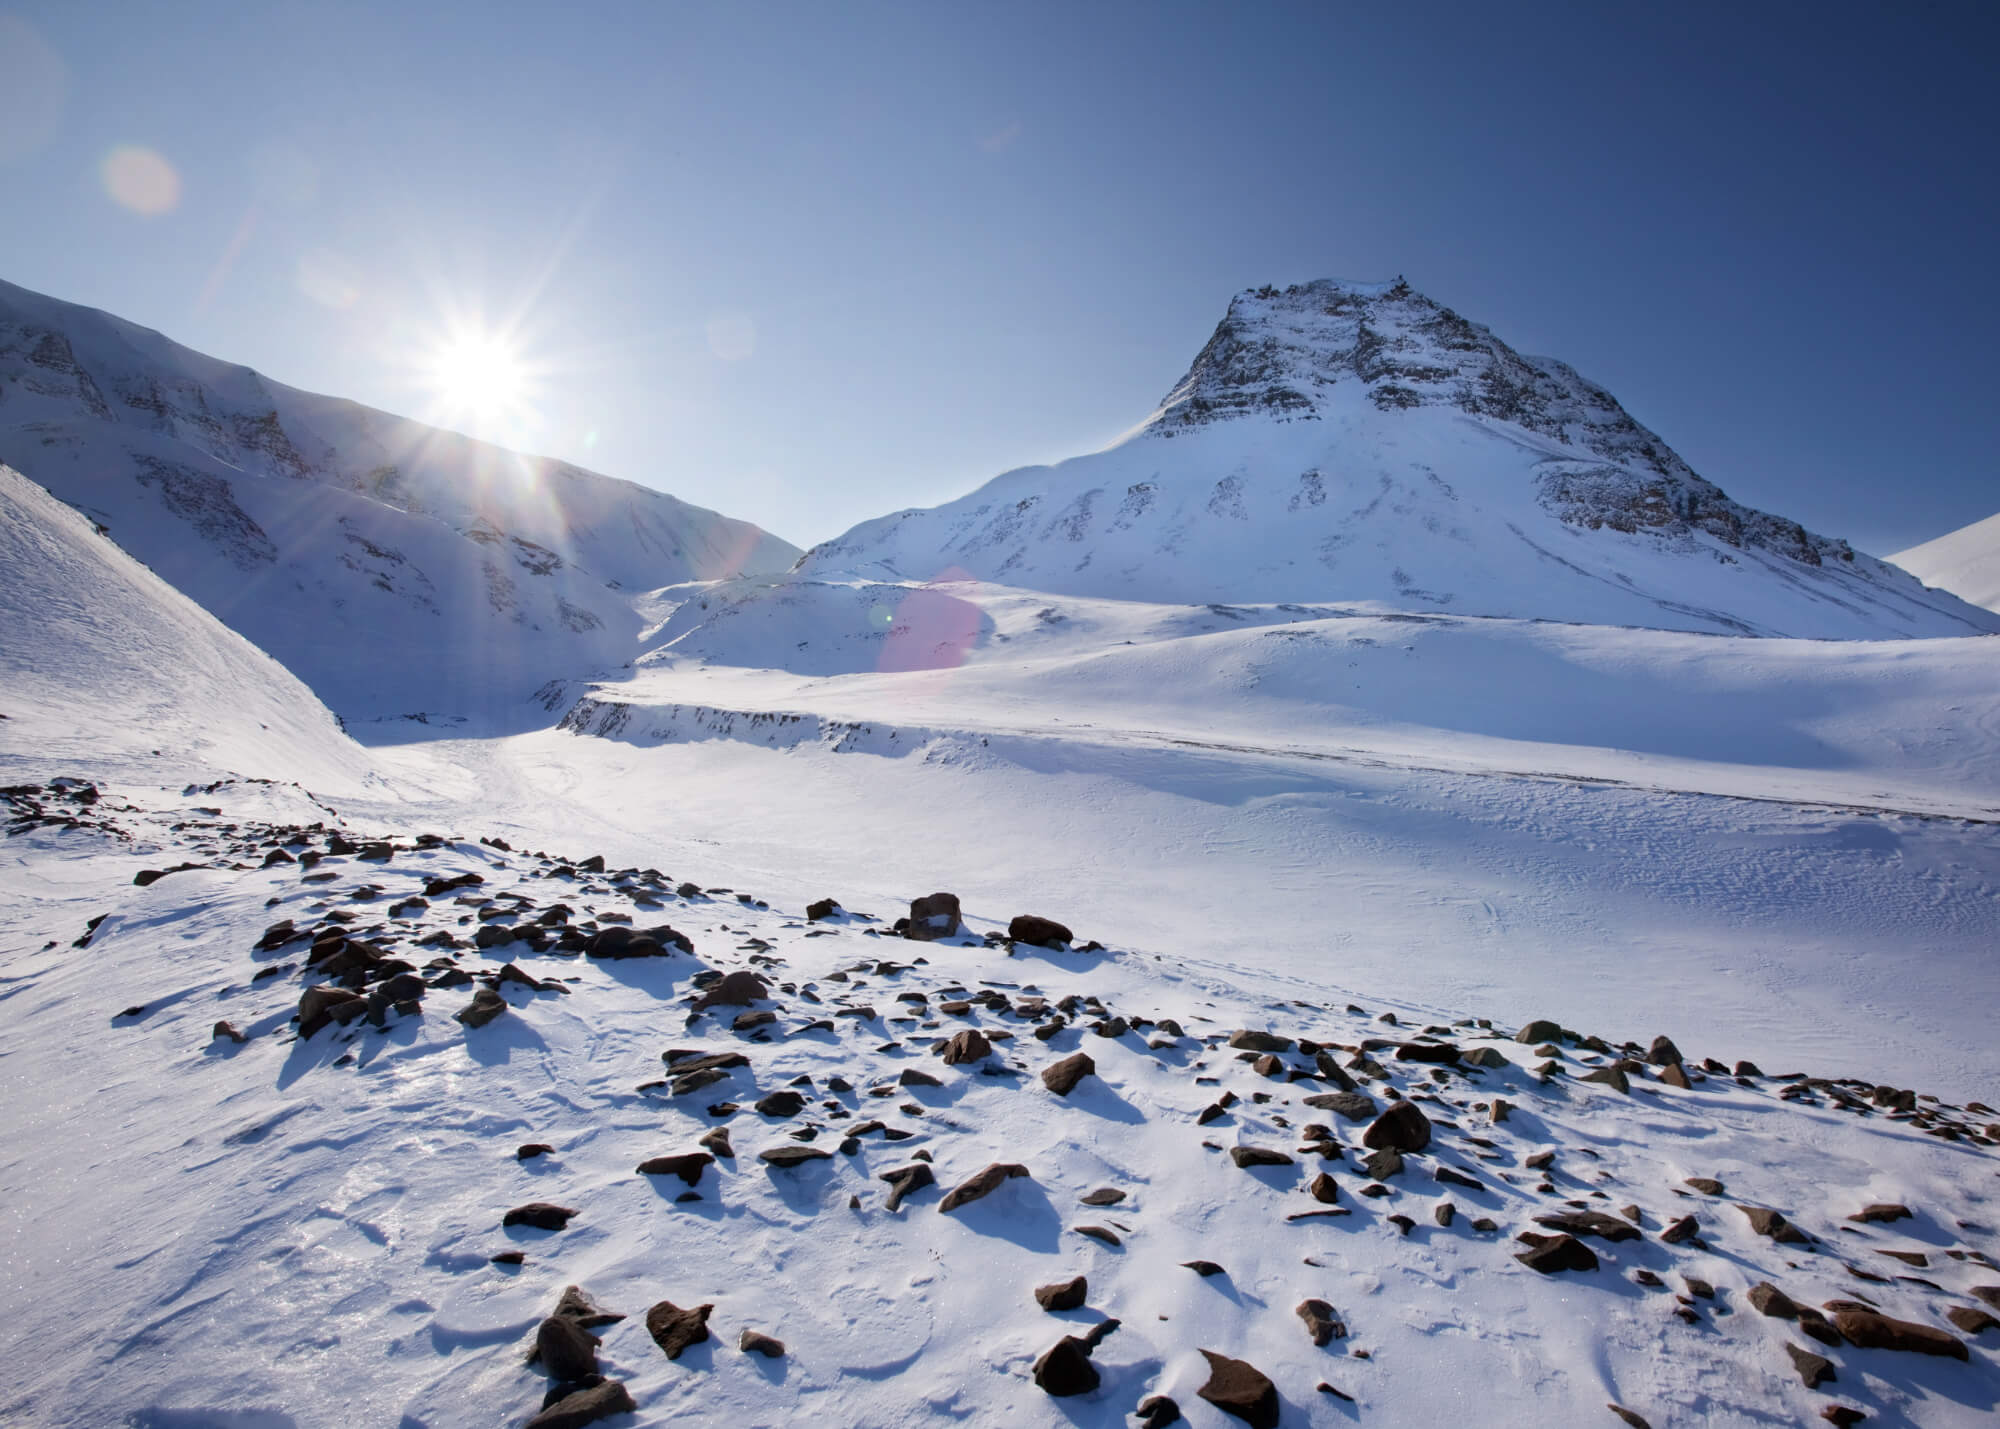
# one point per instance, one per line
(811, 263)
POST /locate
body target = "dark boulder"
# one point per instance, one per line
(540, 1214)
(486, 1005)
(1061, 1077)
(1550, 1254)
(1042, 932)
(1063, 1295)
(688, 1166)
(674, 1329)
(1403, 1127)
(934, 916)
(1240, 1390)
(737, 989)
(586, 1406)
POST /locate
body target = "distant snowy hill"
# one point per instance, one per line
(1358, 442)
(392, 566)
(1965, 562)
(107, 665)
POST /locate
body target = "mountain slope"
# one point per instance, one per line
(393, 566)
(1358, 442)
(1965, 562)
(106, 664)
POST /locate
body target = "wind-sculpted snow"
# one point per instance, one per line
(394, 567)
(1352, 442)
(327, 1119)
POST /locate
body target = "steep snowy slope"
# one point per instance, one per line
(392, 566)
(1965, 562)
(105, 665)
(1358, 442)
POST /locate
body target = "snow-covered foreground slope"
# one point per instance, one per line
(394, 567)
(1965, 562)
(1358, 442)
(105, 666)
(286, 1232)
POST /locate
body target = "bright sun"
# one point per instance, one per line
(479, 375)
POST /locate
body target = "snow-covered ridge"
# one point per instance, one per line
(1354, 442)
(391, 565)
(1965, 562)
(106, 664)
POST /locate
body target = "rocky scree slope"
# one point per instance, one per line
(1360, 442)
(419, 1114)
(394, 567)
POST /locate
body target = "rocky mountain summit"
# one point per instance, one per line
(392, 566)
(1354, 442)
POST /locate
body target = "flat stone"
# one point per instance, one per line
(785, 1156)
(1874, 1331)
(1247, 1156)
(1554, 1253)
(1349, 1106)
(1814, 1370)
(586, 1406)
(982, 1184)
(688, 1166)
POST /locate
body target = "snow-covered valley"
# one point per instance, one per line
(1699, 776)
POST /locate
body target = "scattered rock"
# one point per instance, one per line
(983, 1184)
(1203, 1268)
(1595, 1223)
(227, 1032)
(1157, 1411)
(688, 1166)
(1403, 1127)
(1324, 1189)
(736, 989)
(906, 1179)
(1841, 1415)
(1768, 1299)
(586, 1406)
(1102, 1196)
(971, 1045)
(542, 1215)
(1042, 932)
(1767, 1222)
(1247, 1156)
(1552, 1253)
(1628, 1416)
(787, 1156)
(1540, 1030)
(1063, 1295)
(1320, 1322)
(486, 1005)
(1249, 1041)
(932, 917)
(566, 1350)
(1663, 1052)
(1970, 1320)
(1241, 1391)
(1874, 1331)
(1881, 1212)
(1349, 1106)
(1813, 1369)
(753, 1342)
(823, 908)
(1610, 1077)
(319, 1006)
(530, 1150)
(674, 1329)
(1065, 1368)
(1704, 1185)
(1103, 1233)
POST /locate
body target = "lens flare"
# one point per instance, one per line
(138, 178)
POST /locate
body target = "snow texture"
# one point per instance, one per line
(1965, 562)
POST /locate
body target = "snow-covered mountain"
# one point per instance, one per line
(106, 664)
(1358, 442)
(1965, 562)
(393, 567)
